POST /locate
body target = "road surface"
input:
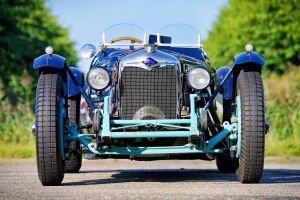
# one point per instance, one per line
(124, 179)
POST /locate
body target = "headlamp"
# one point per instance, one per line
(199, 78)
(98, 78)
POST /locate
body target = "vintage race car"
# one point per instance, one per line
(149, 97)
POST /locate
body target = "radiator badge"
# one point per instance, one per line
(149, 62)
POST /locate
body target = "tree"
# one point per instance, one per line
(273, 27)
(26, 28)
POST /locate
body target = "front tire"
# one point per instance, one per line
(251, 161)
(50, 162)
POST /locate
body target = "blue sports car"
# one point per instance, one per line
(147, 97)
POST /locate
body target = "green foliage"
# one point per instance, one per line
(26, 28)
(272, 26)
(10, 150)
(15, 124)
(16, 139)
(283, 111)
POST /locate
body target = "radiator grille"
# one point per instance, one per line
(145, 91)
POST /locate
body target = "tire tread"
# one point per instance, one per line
(49, 162)
(251, 162)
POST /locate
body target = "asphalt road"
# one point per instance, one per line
(124, 179)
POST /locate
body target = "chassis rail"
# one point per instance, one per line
(185, 128)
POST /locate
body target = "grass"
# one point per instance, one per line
(282, 110)
(16, 140)
(21, 150)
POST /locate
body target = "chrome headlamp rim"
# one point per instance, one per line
(88, 74)
(194, 68)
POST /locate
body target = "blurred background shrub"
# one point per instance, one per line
(26, 28)
(271, 26)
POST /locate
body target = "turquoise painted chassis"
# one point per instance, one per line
(191, 126)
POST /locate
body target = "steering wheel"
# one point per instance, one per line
(132, 39)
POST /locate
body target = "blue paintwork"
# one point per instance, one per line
(112, 127)
(149, 62)
(152, 121)
(106, 119)
(191, 124)
(163, 39)
(239, 116)
(220, 87)
(228, 85)
(85, 139)
(193, 116)
(72, 88)
(246, 57)
(113, 59)
(146, 123)
(192, 52)
(82, 91)
(186, 149)
(61, 114)
(110, 56)
(220, 136)
(150, 134)
(54, 61)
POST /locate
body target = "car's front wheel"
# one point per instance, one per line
(251, 160)
(50, 162)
